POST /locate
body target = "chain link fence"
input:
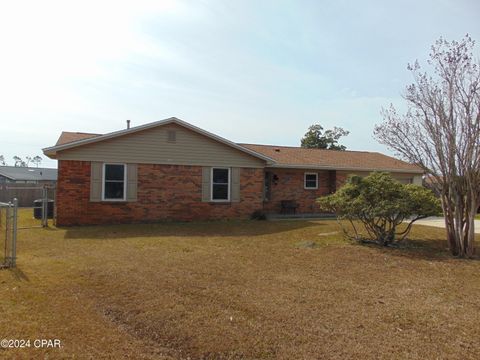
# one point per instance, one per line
(8, 233)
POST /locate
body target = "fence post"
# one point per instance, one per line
(54, 189)
(14, 233)
(45, 207)
(8, 235)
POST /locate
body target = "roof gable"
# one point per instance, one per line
(81, 139)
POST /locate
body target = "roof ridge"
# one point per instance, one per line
(81, 132)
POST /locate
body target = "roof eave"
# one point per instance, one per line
(8, 176)
(320, 167)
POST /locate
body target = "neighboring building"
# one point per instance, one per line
(27, 175)
(172, 170)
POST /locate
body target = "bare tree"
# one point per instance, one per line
(2, 161)
(440, 132)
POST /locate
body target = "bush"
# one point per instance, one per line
(258, 215)
(381, 204)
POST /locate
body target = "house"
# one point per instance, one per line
(173, 170)
(27, 175)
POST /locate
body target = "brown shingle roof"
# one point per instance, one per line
(68, 137)
(331, 159)
(289, 156)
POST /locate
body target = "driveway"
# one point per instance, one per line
(439, 222)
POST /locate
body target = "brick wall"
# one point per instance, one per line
(290, 186)
(165, 192)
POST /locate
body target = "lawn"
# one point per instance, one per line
(243, 289)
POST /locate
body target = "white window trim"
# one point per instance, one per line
(305, 181)
(124, 182)
(229, 184)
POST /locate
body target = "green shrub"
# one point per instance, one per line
(258, 215)
(381, 204)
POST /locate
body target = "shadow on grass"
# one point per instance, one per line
(423, 243)
(18, 274)
(187, 229)
(431, 249)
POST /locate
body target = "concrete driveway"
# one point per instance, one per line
(439, 222)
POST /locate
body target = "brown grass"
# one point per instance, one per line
(283, 290)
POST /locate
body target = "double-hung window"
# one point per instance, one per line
(220, 184)
(114, 180)
(311, 181)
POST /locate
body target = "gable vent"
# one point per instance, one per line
(171, 136)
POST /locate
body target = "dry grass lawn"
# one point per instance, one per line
(241, 290)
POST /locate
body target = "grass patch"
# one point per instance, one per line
(240, 289)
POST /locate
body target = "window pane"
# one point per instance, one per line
(114, 172)
(220, 192)
(113, 190)
(220, 176)
(310, 180)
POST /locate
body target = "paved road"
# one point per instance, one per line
(439, 222)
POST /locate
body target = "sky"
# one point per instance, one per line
(250, 71)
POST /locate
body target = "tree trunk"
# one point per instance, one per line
(470, 221)
(460, 225)
(470, 236)
(449, 225)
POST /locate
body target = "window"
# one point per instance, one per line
(220, 184)
(114, 181)
(311, 181)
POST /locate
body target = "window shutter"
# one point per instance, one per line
(206, 185)
(235, 186)
(132, 177)
(96, 169)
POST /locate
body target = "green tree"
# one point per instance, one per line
(2, 161)
(381, 204)
(37, 160)
(315, 138)
(19, 162)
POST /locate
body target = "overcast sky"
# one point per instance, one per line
(250, 71)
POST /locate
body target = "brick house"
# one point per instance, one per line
(172, 170)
